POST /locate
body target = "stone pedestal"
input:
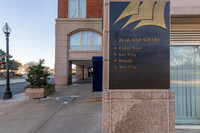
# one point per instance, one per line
(138, 111)
(128, 108)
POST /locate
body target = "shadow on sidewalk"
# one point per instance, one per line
(85, 81)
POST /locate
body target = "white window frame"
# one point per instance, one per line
(77, 7)
(80, 45)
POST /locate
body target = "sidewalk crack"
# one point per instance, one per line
(48, 118)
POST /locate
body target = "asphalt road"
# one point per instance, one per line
(17, 88)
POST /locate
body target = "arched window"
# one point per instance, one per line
(85, 40)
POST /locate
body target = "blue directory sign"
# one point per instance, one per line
(139, 47)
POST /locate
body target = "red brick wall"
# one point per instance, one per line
(94, 8)
(62, 8)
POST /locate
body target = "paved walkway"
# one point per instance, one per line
(72, 109)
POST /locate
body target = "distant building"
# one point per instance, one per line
(52, 71)
(79, 38)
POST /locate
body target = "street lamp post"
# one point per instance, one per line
(8, 93)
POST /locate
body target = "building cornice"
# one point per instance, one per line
(98, 20)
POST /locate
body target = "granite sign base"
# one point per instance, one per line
(138, 111)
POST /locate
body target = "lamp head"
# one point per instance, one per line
(6, 29)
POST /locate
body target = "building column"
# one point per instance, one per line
(79, 72)
(62, 64)
(63, 75)
(86, 72)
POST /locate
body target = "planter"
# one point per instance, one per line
(35, 93)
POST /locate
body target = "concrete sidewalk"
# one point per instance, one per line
(72, 109)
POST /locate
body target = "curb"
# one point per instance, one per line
(16, 98)
(13, 83)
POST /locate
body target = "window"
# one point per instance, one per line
(185, 72)
(185, 82)
(77, 8)
(85, 40)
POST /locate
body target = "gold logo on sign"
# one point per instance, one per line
(149, 13)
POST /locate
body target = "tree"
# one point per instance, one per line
(31, 63)
(13, 65)
(3, 55)
(37, 76)
(2, 59)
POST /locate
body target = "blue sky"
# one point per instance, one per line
(33, 29)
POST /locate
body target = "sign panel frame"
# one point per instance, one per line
(139, 47)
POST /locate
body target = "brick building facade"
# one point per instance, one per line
(77, 18)
(93, 8)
